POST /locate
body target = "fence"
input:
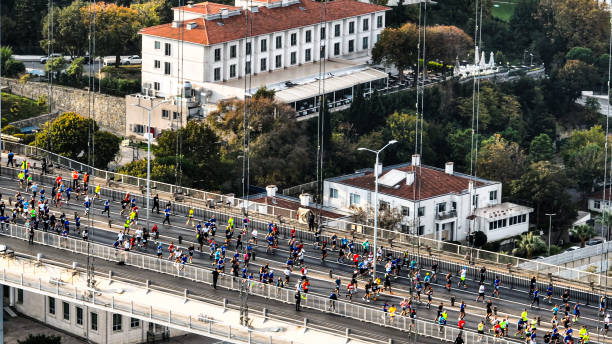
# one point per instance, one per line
(106, 301)
(199, 274)
(391, 238)
(572, 256)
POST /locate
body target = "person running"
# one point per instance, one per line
(576, 312)
(481, 293)
(167, 216)
(602, 304)
(496, 285)
(463, 275)
(536, 298)
(549, 292)
(449, 281)
(190, 218)
(606, 324)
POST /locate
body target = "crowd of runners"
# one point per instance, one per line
(234, 245)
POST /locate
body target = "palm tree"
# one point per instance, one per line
(584, 233)
(604, 219)
(529, 244)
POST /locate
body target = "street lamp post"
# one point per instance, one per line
(376, 200)
(149, 110)
(531, 61)
(549, 229)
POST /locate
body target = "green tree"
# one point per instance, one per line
(575, 77)
(584, 233)
(402, 127)
(584, 156)
(604, 219)
(500, 160)
(153, 12)
(41, 339)
(10, 67)
(75, 70)
(55, 66)
(528, 244)
(69, 30)
(580, 53)
(397, 47)
(541, 148)
(68, 136)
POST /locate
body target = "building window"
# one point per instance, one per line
(156, 86)
(493, 195)
(134, 322)
(51, 305)
(366, 24)
(364, 43)
(421, 230)
(167, 49)
(138, 128)
(175, 115)
(94, 321)
(19, 296)
(263, 64)
(441, 207)
(117, 322)
(217, 54)
(355, 199)
(79, 316)
(322, 53)
(157, 64)
(421, 211)
(217, 75)
(379, 22)
(293, 39)
(308, 36)
(337, 30)
(475, 200)
(351, 46)
(157, 45)
(232, 71)
(165, 114)
(597, 204)
(405, 211)
(454, 205)
(323, 33)
(248, 48)
(247, 67)
(307, 55)
(263, 45)
(279, 42)
(333, 193)
(232, 52)
(66, 309)
(278, 61)
(336, 48)
(351, 28)
(167, 68)
(293, 57)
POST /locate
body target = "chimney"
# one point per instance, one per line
(254, 9)
(305, 199)
(416, 160)
(191, 26)
(449, 167)
(271, 190)
(378, 170)
(176, 23)
(409, 178)
(224, 13)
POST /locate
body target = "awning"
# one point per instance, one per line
(332, 84)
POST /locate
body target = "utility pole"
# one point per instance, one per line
(549, 229)
(244, 306)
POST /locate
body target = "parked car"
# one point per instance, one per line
(594, 241)
(131, 60)
(573, 248)
(44, 59)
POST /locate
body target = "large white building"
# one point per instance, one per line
(435, 203)
(212, 52)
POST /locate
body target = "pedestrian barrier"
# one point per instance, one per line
(199, 274)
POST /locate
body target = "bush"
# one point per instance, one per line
(11, 130)
(555, 249)
(119, 87)
(16, 108)
(14, 68)
(26, 139)
(41, 339)
(492, 246)
(480, 239)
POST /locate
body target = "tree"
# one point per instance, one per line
(584, 233)
(580, 53)
(573, 78)
(402, 127)
(523, 25)
(10, 67)
(153, 12)
(69, 29)
(480, 239)
(41, 339)
(541, 148)
(55, 66)
(116, 29)
(68, 136)
(543, 186)
(605, 219)
(500, 160)
(447, 43)
(528, 244)
(75, 70)
(397, 47)
(584, 156)
(263, 92)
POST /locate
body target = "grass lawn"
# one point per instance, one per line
(16, 108)
(503, 10)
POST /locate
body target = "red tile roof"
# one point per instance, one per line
(206, 8)
(434, 183)
(266, 20)
(282, 202)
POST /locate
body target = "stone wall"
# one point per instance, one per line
(37, 121)
(108, 111)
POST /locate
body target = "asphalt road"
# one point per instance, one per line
(512, 301)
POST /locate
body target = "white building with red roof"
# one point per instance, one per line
(436, 203)
(212, 52)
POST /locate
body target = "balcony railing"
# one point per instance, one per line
(445, 215)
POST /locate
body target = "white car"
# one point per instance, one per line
(44, 59)
(131, 60)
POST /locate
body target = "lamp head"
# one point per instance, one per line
(361, 149)
(392, 142)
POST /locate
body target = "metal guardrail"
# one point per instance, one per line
(199, 274)
(390, 237)
(103, 301)
(578, 254)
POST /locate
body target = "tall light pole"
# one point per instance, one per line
(549, 229)
(149, 110)
(376, 199)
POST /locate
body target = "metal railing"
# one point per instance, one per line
(202, 275)
(388, 237)
(200, 325)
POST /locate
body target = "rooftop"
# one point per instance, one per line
(206, 8)
(502, 210)
(264, 21)
(291, 203)
(433, 182)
